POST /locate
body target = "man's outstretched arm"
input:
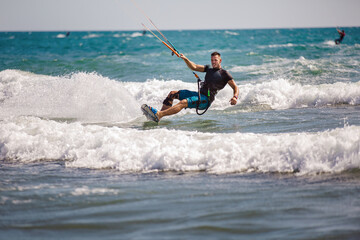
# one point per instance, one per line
(193, 66)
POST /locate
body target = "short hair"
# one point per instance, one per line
(215, 54)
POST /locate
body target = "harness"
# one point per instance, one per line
(199, 82)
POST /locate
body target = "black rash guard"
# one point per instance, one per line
(342, 35)
(215, 80)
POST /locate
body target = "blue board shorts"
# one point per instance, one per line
(192, 98)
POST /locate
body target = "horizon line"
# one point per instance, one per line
(185, 29)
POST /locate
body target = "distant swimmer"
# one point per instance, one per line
(216, 79)
(342, 35)
(67, 34)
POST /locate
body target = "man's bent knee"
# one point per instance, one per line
(170, 98)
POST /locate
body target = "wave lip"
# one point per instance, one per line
(277, 94)
(29, 139)
(282, 94)
(86, 97)
(89, 97)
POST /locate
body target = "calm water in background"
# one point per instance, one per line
(78, 160)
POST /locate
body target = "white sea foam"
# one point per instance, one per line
(278, 45)
(282, 94)
(231, 33)
(28, 139)
(330, 43)
(130, 35)
(281, 45)
(277, 94)
(89, 97)
(137, 34)
(93, 191)
(83, 96)
(60, 35)
(92, 35)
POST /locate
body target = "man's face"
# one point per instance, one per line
(216, 61)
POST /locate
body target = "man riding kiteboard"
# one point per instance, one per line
(216, 79)
(342, 35)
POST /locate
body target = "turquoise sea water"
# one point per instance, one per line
(78, 160)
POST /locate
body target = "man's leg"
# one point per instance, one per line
(167, 103)
(172, 110)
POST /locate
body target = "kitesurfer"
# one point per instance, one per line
(216, 79)
(342, 35)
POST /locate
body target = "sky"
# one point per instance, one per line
(115, 15)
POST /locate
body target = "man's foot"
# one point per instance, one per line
(150, 113)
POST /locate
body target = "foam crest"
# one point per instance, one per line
(95, 191)
(60, 35)
(330, 43)
(282, 94)
(280, 45)
(277, 94)
(232, 33)
(92, 35)
(83, 96)
(90, 97)
(28, 139)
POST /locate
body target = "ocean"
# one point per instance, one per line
(78, 160)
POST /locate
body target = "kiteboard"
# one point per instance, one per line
(148, 113)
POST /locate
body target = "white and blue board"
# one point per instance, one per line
(148, 113)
